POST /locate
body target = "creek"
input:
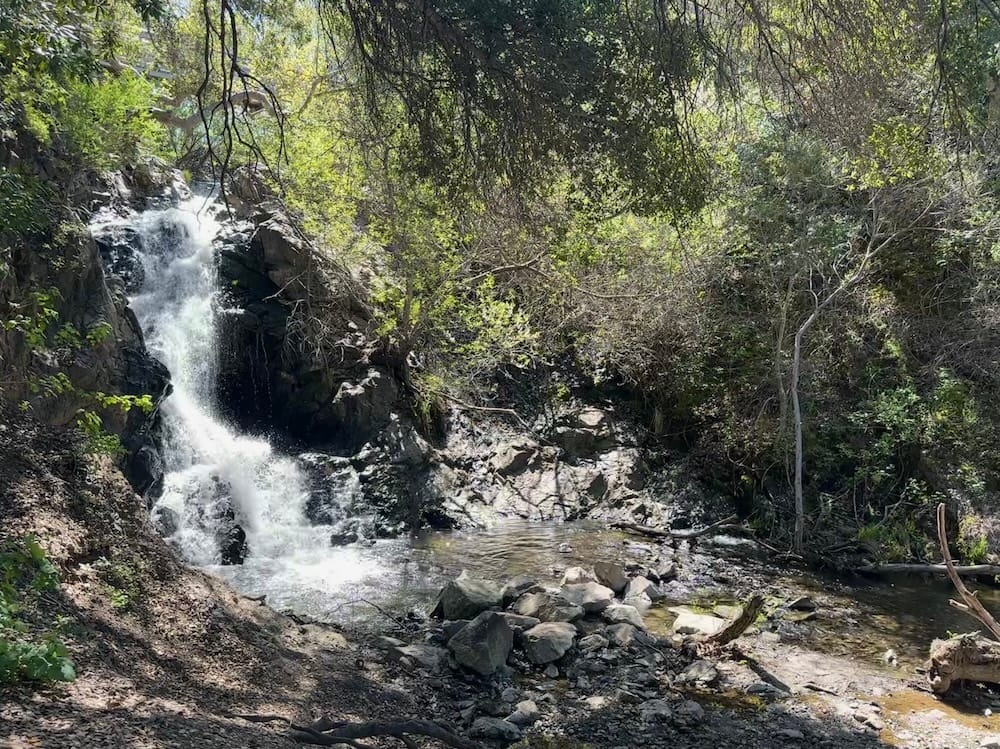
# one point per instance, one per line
(218, 479)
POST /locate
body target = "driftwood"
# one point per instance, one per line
(740, 624)
(726, 524)
(969, 604)
(969, 570)
(326, 732)
(970, 657)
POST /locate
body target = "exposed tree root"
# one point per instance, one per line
(326, 732)
(969, 657)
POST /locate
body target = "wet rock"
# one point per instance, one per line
(165, 521)
(639, 586)
(690, 623)
(564, 548)
(621, 635)
(578, 576)
(548, 607)
(465, 597)
(689, 713)
(343, 538)
(517, 587)
(549, 641)
(612, 575)
(483, 644)
(234, 546)
(591, 597)
(525, 713)
(619, 613)
(655, 711)
(495, 729)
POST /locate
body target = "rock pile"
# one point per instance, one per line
(589, 631)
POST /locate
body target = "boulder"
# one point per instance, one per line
(517, 587)
(691, 623)
(589, 626)
(520, 623)
(483, 644)
(525, 713)
(465, 597)
(549, 641)
(495, 729)
(548, 607)
(612, 575)
(578, 576)
(591, 597)
(619, 613)
(639, 586)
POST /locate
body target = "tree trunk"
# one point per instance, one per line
(969, 657)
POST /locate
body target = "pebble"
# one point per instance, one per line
(552, 671)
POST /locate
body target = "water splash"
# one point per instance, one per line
(217, 478)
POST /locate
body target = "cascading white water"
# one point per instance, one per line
(214, 475)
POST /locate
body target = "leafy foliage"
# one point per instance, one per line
(27, 653)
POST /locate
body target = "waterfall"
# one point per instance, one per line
(216, 478)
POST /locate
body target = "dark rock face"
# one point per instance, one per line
(105, 351)
(271, 372)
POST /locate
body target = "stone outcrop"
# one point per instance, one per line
(77, 337)
(483, 644)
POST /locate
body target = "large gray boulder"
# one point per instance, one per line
(612, 575)
(549, 641)
(578, 576)
(642, 586)
(548, 607)
(619, 613)
(483, 644)
(591, 597)
(465, 597)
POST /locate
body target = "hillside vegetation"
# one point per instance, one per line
(770, 227)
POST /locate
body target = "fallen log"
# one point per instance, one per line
(936, 569)
(740, 624)
(722, 526)
(970, 657)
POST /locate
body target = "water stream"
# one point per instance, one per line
(217, 476)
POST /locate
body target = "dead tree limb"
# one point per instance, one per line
(740, 624)
(970, 603)
(325, 732)
(726, 524)
(917, 569)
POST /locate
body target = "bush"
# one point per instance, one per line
(28, 652)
